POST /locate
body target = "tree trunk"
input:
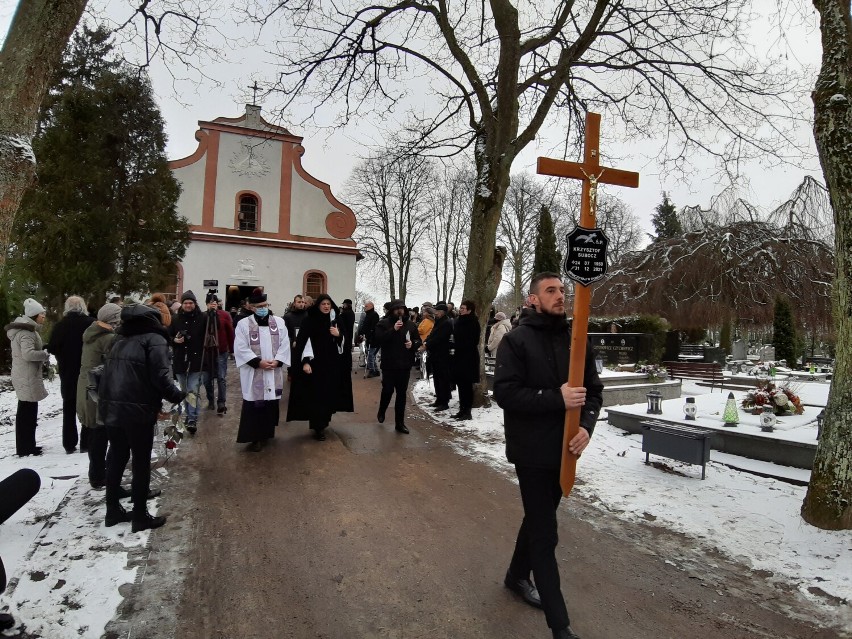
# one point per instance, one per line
(828, 503)
(485, 261)
(34, 45)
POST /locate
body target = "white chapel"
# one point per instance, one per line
(258, 219)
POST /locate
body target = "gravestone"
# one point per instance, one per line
(738, 350)
(622, 348)
(767, 353)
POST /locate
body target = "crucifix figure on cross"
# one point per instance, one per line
(585, 264)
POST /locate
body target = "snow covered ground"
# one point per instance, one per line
(746, 517)
(66, 568)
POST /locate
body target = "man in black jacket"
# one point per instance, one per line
(135, 380)
(366, 333)
(399, 340)
(66, 343)
(437, 344)
(192, 361)
(530, 386)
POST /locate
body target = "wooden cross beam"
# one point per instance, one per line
(591, 173)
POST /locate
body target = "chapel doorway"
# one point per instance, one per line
(235, 293)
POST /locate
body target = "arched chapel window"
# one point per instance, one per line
(248, 214)
(314, 284)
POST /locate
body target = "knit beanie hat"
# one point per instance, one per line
(500, 316)
(189, 295)
(32, 308)
(110, 314)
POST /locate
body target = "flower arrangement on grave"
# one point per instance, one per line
(783, 399)
(655, 372)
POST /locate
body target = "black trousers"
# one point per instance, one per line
(442, 377)
(136, 440)
(395, 381)
(15, 491)
(68, 388)
(535, 548)
(465, 396)
(98, 443)
(26, 420)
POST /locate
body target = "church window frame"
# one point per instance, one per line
(242, 211)
(315, 283)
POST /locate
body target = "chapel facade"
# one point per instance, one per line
(258, 219)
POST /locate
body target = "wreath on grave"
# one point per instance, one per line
(783, 399)
(654, 372)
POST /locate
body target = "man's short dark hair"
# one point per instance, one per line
(538, 277)
(470, 305)
(298, 297)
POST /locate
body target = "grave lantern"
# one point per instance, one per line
(599, 364)
(689, 408)
(768, 419)
(731, 416)
(655, 402)
(820, 420)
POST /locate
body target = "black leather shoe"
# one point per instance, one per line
(464, 416)
(69, 451)
(146, 521)
(319, 435)
(116, 515)
(525, 588)
(380, 417)
(254, 447)
(441, 408)
(565, 633)
(402, 428)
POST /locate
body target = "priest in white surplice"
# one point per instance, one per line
(262, 354)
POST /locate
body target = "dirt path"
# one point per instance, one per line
(375, 534)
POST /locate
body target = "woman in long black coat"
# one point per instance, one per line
(466, 333)
(317, 390)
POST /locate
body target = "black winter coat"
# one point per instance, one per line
(137, 375)
(466, 333)
(191, 356)
(532, 363)
(293, 320)
(346, 324)
(368, 326)
(438, 342)
(392, 342)
(66, 343)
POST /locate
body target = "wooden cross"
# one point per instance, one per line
(254, 88)
(591, 173)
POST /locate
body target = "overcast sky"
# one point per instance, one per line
(331, 154)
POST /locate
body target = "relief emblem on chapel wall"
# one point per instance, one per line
(250, 159)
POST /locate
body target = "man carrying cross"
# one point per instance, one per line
(530, 387)
(549, 420)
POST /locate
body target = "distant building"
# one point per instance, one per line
(257, 219)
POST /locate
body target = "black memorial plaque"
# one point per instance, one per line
(585, 260)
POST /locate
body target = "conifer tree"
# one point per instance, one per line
(666, 224)
(547, 256)
(784, 332)
(102, 217)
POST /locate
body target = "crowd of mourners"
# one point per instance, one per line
(123, 366)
